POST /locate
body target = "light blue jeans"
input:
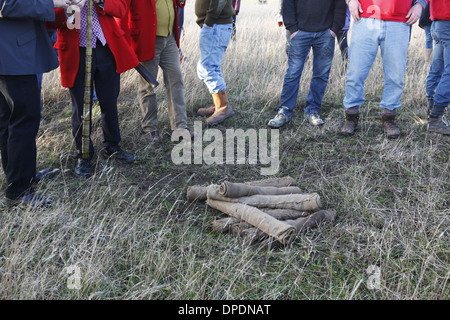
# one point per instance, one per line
(440, 31)
(322, 44)
(393, 38)
(213, 43)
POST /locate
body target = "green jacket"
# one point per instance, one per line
(212, 12)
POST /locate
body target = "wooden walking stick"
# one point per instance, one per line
(85, 137)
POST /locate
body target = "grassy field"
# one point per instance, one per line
(129, 233)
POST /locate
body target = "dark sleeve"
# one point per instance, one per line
(27, 9)
(288, 11)
(340, 13)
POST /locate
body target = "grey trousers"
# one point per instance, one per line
(168, 58)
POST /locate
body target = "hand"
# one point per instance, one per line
(355, 9)
(61, 3)
(414, 13)
(79, 3)
(332, 33)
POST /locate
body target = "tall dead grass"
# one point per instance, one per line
(132, 235)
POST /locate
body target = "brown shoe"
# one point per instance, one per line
(351, 124)
(222, 109)
(206, 112)
(389, 126)
(437, 125)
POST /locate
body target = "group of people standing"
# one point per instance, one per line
(377, 24)
(125, 34)
(131, 33)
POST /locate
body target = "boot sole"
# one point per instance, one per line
(221, 120)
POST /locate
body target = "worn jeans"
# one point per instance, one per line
(322, 44)
(167, 57)
(440, 31)
(213, 43)
(367, 35)
(436, 70)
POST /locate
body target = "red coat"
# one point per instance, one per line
(440, 9)
(69, 40)
(140, 27)
(392, 10)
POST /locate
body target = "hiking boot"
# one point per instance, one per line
(314, 119)
(280, 120)
(151, 138)
(82, 169)
(389, 126)
(206, 112)
(437, 125)
(31, 199)
(222, 109)
(351, 124)
(115, 152)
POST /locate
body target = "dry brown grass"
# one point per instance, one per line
(132, 234)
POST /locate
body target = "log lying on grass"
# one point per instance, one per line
(283, 232)
(313, 221)
(299, 202)
(238, 190)
(198, 193)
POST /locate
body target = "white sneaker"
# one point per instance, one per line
(314, 119)
(279, 120)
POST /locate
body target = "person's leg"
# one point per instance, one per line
(362, 51)
(343, 44)
(441, 32)
(428, 44)
(146, 93)
(436, 70)
(213, 43)
(107, 86)
(299, 48)
(323, 52)
(394, 49)
(173, 81)
(19, 124)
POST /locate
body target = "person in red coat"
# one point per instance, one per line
(151, 27)
(111, 55)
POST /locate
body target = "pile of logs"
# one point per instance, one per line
(266, 209)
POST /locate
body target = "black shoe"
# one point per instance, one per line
(82, 170)
(45, 174)
(115, 152)
(32, 199)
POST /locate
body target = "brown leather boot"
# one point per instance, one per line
(206, 112)
(222, 109)
(389, 126)
(350, 124)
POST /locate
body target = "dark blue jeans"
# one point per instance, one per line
(440, 30)
(322, 44)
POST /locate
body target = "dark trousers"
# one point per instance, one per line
(107, 88)
(19, 124)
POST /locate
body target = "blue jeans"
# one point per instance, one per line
(436, 70)
(441, 33)
(213, 43)
(428, 37)
(393, 38)
(322, 44)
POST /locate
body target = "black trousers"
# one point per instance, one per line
(19, 124)
(107, 87)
